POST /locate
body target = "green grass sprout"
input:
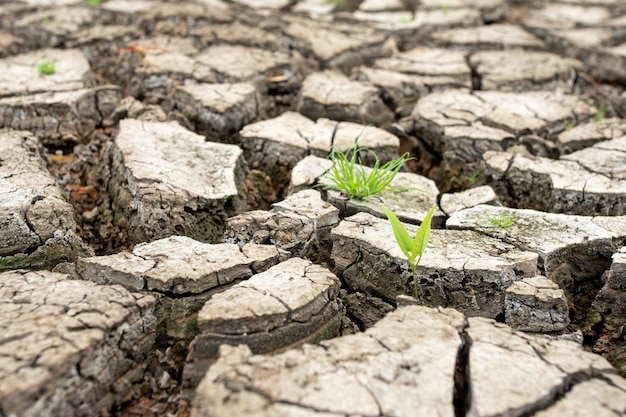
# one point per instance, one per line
(473, 179)
(599, 114)
(503, 219)
(600, 111)
(350, 177)
(46, 67)
(414, 248)
(93, 3)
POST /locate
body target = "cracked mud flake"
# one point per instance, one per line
(546, 233)
(433, 62)
(178, 264)
(60, 24)
(337, 45)
(239, 63)
(585, 186)
(496, 36)
(606, 158)
(566, 16)
(291, 130)
(594, 397)
(332, 95)
(516, 374)
(523, 70)
(588, 134)
(168, 180)
(293, 290)
(52, 326)
(33, 213)
(380, 372)
(469, 277)
(19, 74)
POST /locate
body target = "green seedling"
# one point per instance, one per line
(93, 3)
(46, 67)
(406, 19)
(445, 9)
(599, 111)
(503, 219)
(472, 179)
(569, 125)
(347, 175)
(599, 114)
(414, 248)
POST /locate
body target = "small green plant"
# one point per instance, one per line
(445, 9)
(332, 1)
(472, 179)
(406, 19)
(93, 3)
(414, 248)
(599, 114)
(46, 67)
(569, 125)
(348, 176)
(503, 219)
(599, 111)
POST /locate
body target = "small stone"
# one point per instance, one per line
(90, 216)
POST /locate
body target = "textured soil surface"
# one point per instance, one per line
(162, 194)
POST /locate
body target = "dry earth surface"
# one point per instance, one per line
(168, 246)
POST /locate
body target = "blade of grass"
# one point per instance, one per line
(402, 236)
(423, 234)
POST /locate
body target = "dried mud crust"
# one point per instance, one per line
(223, 69)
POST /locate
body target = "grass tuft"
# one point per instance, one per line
(503, 219)
(349, 176)
(46, 67)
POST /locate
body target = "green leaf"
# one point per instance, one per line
(423, 234)
(402, 236)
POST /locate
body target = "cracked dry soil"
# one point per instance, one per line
(166, 249)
